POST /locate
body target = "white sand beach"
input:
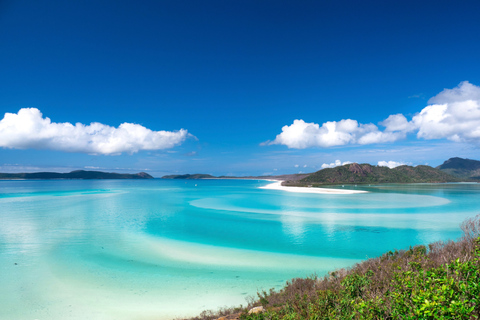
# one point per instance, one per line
(278, 186)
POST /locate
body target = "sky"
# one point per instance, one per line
(237, 87)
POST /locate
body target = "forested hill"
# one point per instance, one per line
(366, 173)
(78, 174)
(462, 168)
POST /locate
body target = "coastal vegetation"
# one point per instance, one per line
(438, 281)
(78, 174)
(452, 170)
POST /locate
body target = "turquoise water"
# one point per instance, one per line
(160, 249)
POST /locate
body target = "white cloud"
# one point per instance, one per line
(335, 164)
(301, 135)
(453, 114)
(296, 166)
(390, 164)
(28, 129)
(397, 122)
(463, 92)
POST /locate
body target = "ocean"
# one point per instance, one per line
(162, 249)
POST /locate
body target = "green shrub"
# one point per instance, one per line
(441, 282)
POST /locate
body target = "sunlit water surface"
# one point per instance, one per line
(160, 249)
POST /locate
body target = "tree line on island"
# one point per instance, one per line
(77, 174)
(452, 170)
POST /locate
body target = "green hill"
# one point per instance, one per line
(365, 173)
(78, 174)
(462, 168)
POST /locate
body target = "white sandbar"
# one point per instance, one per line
(278, 186)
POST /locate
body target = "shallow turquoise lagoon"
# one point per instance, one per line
(160, 249)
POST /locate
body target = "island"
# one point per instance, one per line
(452, 170)
(462, 168)
(77, 174)
(355, 173)
(189, 176)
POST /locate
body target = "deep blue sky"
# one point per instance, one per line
(233, 73)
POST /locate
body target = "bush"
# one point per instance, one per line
(441, 282)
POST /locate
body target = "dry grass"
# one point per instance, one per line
(378, 273)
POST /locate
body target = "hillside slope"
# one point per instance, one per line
(461, 168)
(366, 173)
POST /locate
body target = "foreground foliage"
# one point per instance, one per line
(438, 282)
(450, 291)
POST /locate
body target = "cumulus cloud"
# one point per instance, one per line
(29, 129)
(301, 135)
(397, 122)
(463, 92)
(390, 164)
(335, 164)
(453, 114)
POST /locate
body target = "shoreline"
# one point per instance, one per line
(278, 186)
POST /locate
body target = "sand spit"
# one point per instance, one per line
(278, 186)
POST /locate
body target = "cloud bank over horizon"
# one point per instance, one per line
(453, 114)
(28, 129)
